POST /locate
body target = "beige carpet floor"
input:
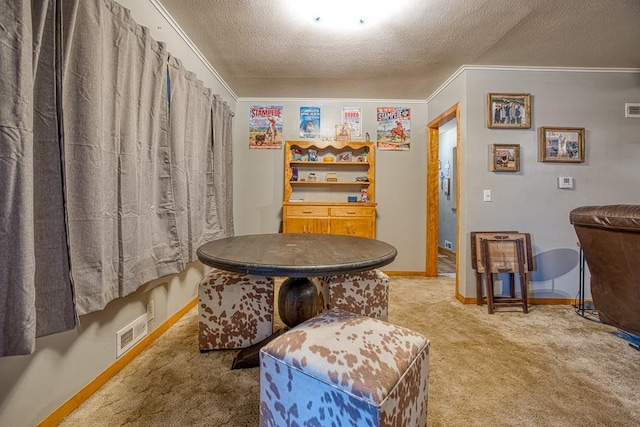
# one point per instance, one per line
(550, 367)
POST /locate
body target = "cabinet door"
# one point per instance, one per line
(354, 226)
(306, 225)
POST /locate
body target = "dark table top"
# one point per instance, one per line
(296, 255)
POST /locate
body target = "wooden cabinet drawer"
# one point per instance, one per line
(307, 211)
(352, 211)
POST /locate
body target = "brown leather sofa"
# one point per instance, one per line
(610, 238)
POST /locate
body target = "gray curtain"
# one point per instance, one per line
(122, 224)
(222, 187)
(198, 157)
(36, 296)
(102, 191)
(17, 269)
(55, 311)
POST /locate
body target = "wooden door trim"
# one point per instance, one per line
(433, 130)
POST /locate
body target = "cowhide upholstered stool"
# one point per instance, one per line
(234, 310)
(341, 368)
(365, 293)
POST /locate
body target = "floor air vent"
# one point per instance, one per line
(632, 109)
(128, 336)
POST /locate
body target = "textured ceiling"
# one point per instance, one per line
(262, 50)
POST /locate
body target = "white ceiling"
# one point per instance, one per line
(261, 49)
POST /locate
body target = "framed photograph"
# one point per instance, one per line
(505, 157)
(509, 110)
(343, 133)
(345, 156)
(564, 145)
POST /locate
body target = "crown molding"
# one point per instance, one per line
(165, 14)
(342, 100)
(556, 69)
(528, 69)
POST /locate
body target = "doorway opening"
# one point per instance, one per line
(441, 181)
(447, 208)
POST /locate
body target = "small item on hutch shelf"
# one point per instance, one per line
(364, 196)
(331, 177)
(312, 177)
(313, 155)
(344, 157)
(294, 173)
(327, 159)
(343, 132)
(297, 154)
(352, 199)
(362, 179)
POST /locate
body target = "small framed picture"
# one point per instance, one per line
(345, 156)
(509, 110)
(505, 157)
(563, 145)
(343, 133)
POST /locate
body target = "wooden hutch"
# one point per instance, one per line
(323, 188)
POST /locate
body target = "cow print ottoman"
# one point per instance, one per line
(234, 310)
(341, 368)
(365, 293)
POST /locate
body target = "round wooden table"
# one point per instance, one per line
(297, 257)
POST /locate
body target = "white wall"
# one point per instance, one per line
(529, 201)
(400, 176)
(32, 387)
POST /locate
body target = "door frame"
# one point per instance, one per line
(433, 202)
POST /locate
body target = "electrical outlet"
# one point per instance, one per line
(151, 310)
